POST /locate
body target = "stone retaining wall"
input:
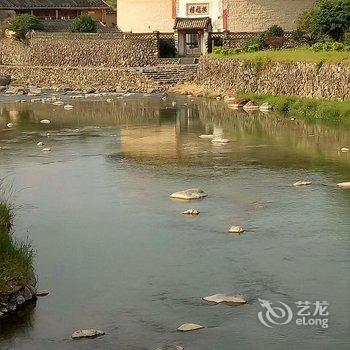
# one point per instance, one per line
(329, 81)
(15, 300)
(82, 50)
(108, 79)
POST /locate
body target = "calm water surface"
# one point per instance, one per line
(118, 255)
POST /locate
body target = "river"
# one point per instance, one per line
(117, 254)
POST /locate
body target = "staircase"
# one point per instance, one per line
(170, 74)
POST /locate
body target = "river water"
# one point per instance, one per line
(117, 254)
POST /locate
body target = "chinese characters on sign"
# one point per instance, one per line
(198, 9)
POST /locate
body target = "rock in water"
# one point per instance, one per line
(251, 106)
(87, 333)
(236, 229)
(170, 347)
(302, 183)
(68, 107)
(192, 212)
(58, 103)
(225, 299)
(9, 125)
(236, 103)
(188, 327)
(345, 150)
(173, 103)
(5, 80)
(207, 136)
(193, 193)
(40, 144)
(220, 140)
(344, 185)
(265, 107)
(47, 149)
(45, 121)
(42, 293)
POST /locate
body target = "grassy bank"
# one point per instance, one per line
(330, 112)
(16, 258)
(292, 55)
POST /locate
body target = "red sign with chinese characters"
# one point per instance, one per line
(198, 9)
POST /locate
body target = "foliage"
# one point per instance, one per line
(22, 24)
(167, 48)
(333, 17)
(83, 24)
(327, 111)
(274, 31)
(253, 44)
(302, 54)
(330, 45)
(328, 18)
(16, 258)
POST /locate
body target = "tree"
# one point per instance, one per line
(308, 27)
(22, 24)
(333, 17)
(83, 24)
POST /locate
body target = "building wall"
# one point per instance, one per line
(215, 11)
(258, 15)
(145, 16)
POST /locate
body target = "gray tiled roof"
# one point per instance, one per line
(192, 23)
(50, 4)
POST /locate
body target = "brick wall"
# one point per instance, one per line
(258, 15)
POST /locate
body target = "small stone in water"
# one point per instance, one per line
(193, 193)
(192, 212)
(219, 140)
(40, 144)
(187, 327)
(206, 136)
(45, 121)
(9, 125)
(42, 293)
(173, 103)
(58, 103)
(225, 299)
(345, 149)
(87, 333)
(68, 107)
(47, 149)
(236, 229)
(109, 100)
(170, 347)
(344, 185)
(302, 183)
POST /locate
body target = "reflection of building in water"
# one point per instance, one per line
(175, 131)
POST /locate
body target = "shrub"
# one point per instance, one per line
(274, 31)
(330, 45)
(308, 30)
(226, 51)
(346, 39)
(83, 24)
(22, 24)
(253, 44)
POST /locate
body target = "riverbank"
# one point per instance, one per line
(17, 280)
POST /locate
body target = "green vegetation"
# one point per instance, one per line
(328, 19)
(83, 24)
(22, 24)
(303, 54)
(327, 111)
(16, 258)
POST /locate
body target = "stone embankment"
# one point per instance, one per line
(319, 81)
(13, 301)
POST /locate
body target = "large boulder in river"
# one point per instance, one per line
(87, 333)
(192, 193)
(189, 327)
(231, 300)
(5, 80)
(344, 185)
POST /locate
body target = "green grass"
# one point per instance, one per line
(16, 257)
(327, 111)
(293, 55)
